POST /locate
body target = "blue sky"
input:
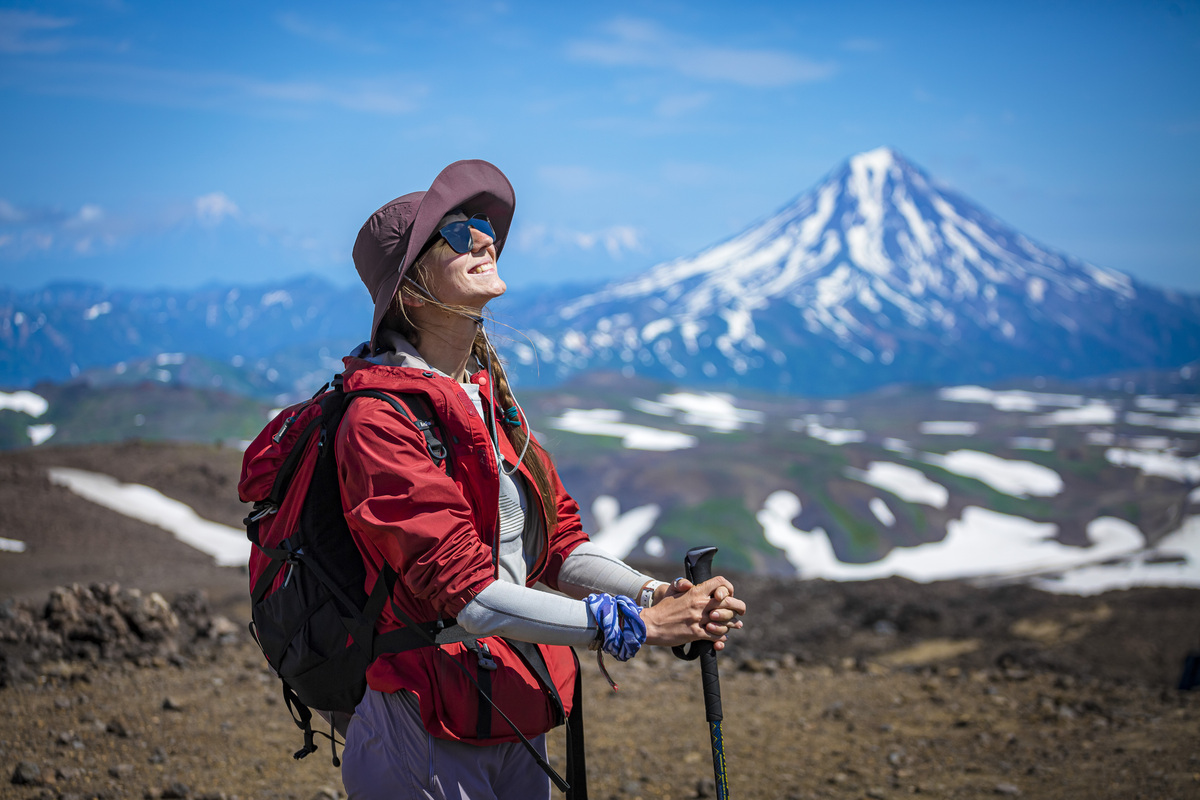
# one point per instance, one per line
(175, 144)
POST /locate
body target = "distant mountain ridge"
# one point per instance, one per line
(286, 335)
(876, 276)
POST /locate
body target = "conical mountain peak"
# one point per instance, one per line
(885, 272)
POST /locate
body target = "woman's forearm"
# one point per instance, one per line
(590, 569)
(528, 615)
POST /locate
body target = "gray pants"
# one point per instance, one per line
(389, 756)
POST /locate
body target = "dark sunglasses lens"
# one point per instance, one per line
(482, 224)
(458, 234)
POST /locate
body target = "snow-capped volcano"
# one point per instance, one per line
(875, 276)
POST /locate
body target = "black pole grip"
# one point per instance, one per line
(697, 568)
(698, 565)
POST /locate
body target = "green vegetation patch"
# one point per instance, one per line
(721, 521)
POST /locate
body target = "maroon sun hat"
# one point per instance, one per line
(392, 238)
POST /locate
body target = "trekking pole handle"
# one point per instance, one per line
(697, 568)
(697, 564)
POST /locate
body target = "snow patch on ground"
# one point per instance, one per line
(1164, 465)
(11, 545)
(882, 512)
(712, 410)
(1009, 400)
(834, 436)
(607, 422)
(1142, 569)
(619, 533)
(949, 428)
(907, 483)
(1094, 413)
(1018, 478)
(1150, 403)
(40, 433)
(981, 543)
(24, 401)
(228, 546)
(1184, 424)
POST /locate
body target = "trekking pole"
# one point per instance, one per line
(697, 565)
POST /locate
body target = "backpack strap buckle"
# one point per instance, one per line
(263, 508)
(485, 656)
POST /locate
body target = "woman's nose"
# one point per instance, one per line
(479, 239)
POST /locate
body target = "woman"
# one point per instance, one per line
(470, 536)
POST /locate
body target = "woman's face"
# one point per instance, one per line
(464, 279)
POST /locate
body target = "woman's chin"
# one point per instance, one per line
(496, 288)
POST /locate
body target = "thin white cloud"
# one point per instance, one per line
(325, 34)
(27, 231)
(677, 105)
(544, 240)
(576, 178)
(230, 92)
(10, 213)
(26, 32)
(92, 230)
(627, 42)
(214, 207)
(91, 213)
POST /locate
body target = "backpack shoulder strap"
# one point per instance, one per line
(416, 407)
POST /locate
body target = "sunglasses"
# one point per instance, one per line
(458, 234)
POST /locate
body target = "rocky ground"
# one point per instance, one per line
(127, 673)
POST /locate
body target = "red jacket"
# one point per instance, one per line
(437, 531)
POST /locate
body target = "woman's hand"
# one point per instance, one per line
(685, 612)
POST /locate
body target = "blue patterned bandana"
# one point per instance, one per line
(620, 623)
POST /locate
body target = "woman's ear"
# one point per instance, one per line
(411, 300)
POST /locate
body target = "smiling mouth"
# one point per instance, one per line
(481, 269)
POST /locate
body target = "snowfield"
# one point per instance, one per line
(228, 546)
(11, 545)
(607, 422)
(832, 436)
(25, 402)
(1094, 413)
(1011, 400)
(712, 410)
(619, 533)
(1164, 465)
(949, 428)
(982, 543)
(907, 483)
(1018, 478)
(1180, 566)
(40, 433)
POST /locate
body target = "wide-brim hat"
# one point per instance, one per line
(391, 239)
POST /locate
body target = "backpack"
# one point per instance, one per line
(311, 614)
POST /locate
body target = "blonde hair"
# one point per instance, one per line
(519, 436)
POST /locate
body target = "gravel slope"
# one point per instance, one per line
(882, 689)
